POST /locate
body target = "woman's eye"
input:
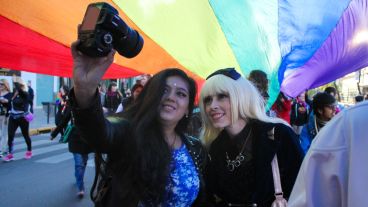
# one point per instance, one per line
(181, 94)
(166, 90)
(207, 100)
(222, 96)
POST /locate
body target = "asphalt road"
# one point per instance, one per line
(46, 180)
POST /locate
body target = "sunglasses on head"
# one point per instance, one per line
(229, 72)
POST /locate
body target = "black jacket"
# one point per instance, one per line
(20, 101)
(76, 143)
(252, 181)
(113, 138)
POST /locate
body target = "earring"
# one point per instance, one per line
(186, 115)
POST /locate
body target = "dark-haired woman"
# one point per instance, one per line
(150, 161)
(112, 98)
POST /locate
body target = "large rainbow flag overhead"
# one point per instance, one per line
(299, 44)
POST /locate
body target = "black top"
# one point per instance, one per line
(30, 94)
(5, 107)
(76, 143)
(296, 117)
(252, 181)
(237, 185)
(20, 101)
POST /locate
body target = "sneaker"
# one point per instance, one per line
(28, 155)
(9, 157)
(80, 194)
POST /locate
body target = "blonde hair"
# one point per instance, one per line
(6, 84)
(245, 102)
(22, 84)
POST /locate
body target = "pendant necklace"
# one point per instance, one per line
(232, 164)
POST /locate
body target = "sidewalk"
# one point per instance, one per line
(39, 124)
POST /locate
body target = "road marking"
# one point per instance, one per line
(23, 145)
(40, 151)
(56, 158)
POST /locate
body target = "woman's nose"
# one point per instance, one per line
(214, 104)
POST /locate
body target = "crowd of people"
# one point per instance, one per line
(146, 154)
(147, 158)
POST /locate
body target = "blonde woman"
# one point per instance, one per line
(5, 97)
(236, 128)
(19, 107)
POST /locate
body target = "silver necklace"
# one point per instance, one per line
(233, 164)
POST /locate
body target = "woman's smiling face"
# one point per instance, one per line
(218, 109)
(175, 101)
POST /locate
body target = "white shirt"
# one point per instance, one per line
(334, 172)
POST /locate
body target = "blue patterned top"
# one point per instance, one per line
(183, 184)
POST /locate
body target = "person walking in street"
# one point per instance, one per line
(150, 161)
(237, 131)
(5, 99)
(19, 108)
(60, 106)
(77, 146)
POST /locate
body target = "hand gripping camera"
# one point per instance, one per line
(102, 29)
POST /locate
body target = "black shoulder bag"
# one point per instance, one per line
(101, 186)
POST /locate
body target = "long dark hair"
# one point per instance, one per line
(153, 156)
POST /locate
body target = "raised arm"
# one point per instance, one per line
(87, 73)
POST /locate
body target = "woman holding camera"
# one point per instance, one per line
(150, 161)
(5, 98)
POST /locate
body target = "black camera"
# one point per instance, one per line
(102, 29)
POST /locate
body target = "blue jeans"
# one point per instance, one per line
(80, 163)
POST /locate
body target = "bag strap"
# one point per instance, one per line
(275, 169)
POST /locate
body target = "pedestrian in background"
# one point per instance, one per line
(358, 98)
(334, 171)
(5, 99)
(30, 95)
(128, 101)
(300, 110)
(113, 98)
(333, 92)
(77, 146)
(282, 107)
(60, 106)
(236, 129)
(260, 81)
(150, 160)
(324, 109)
(19, 107)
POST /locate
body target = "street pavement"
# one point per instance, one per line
(47, 179)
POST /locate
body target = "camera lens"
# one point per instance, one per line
(107, 38)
